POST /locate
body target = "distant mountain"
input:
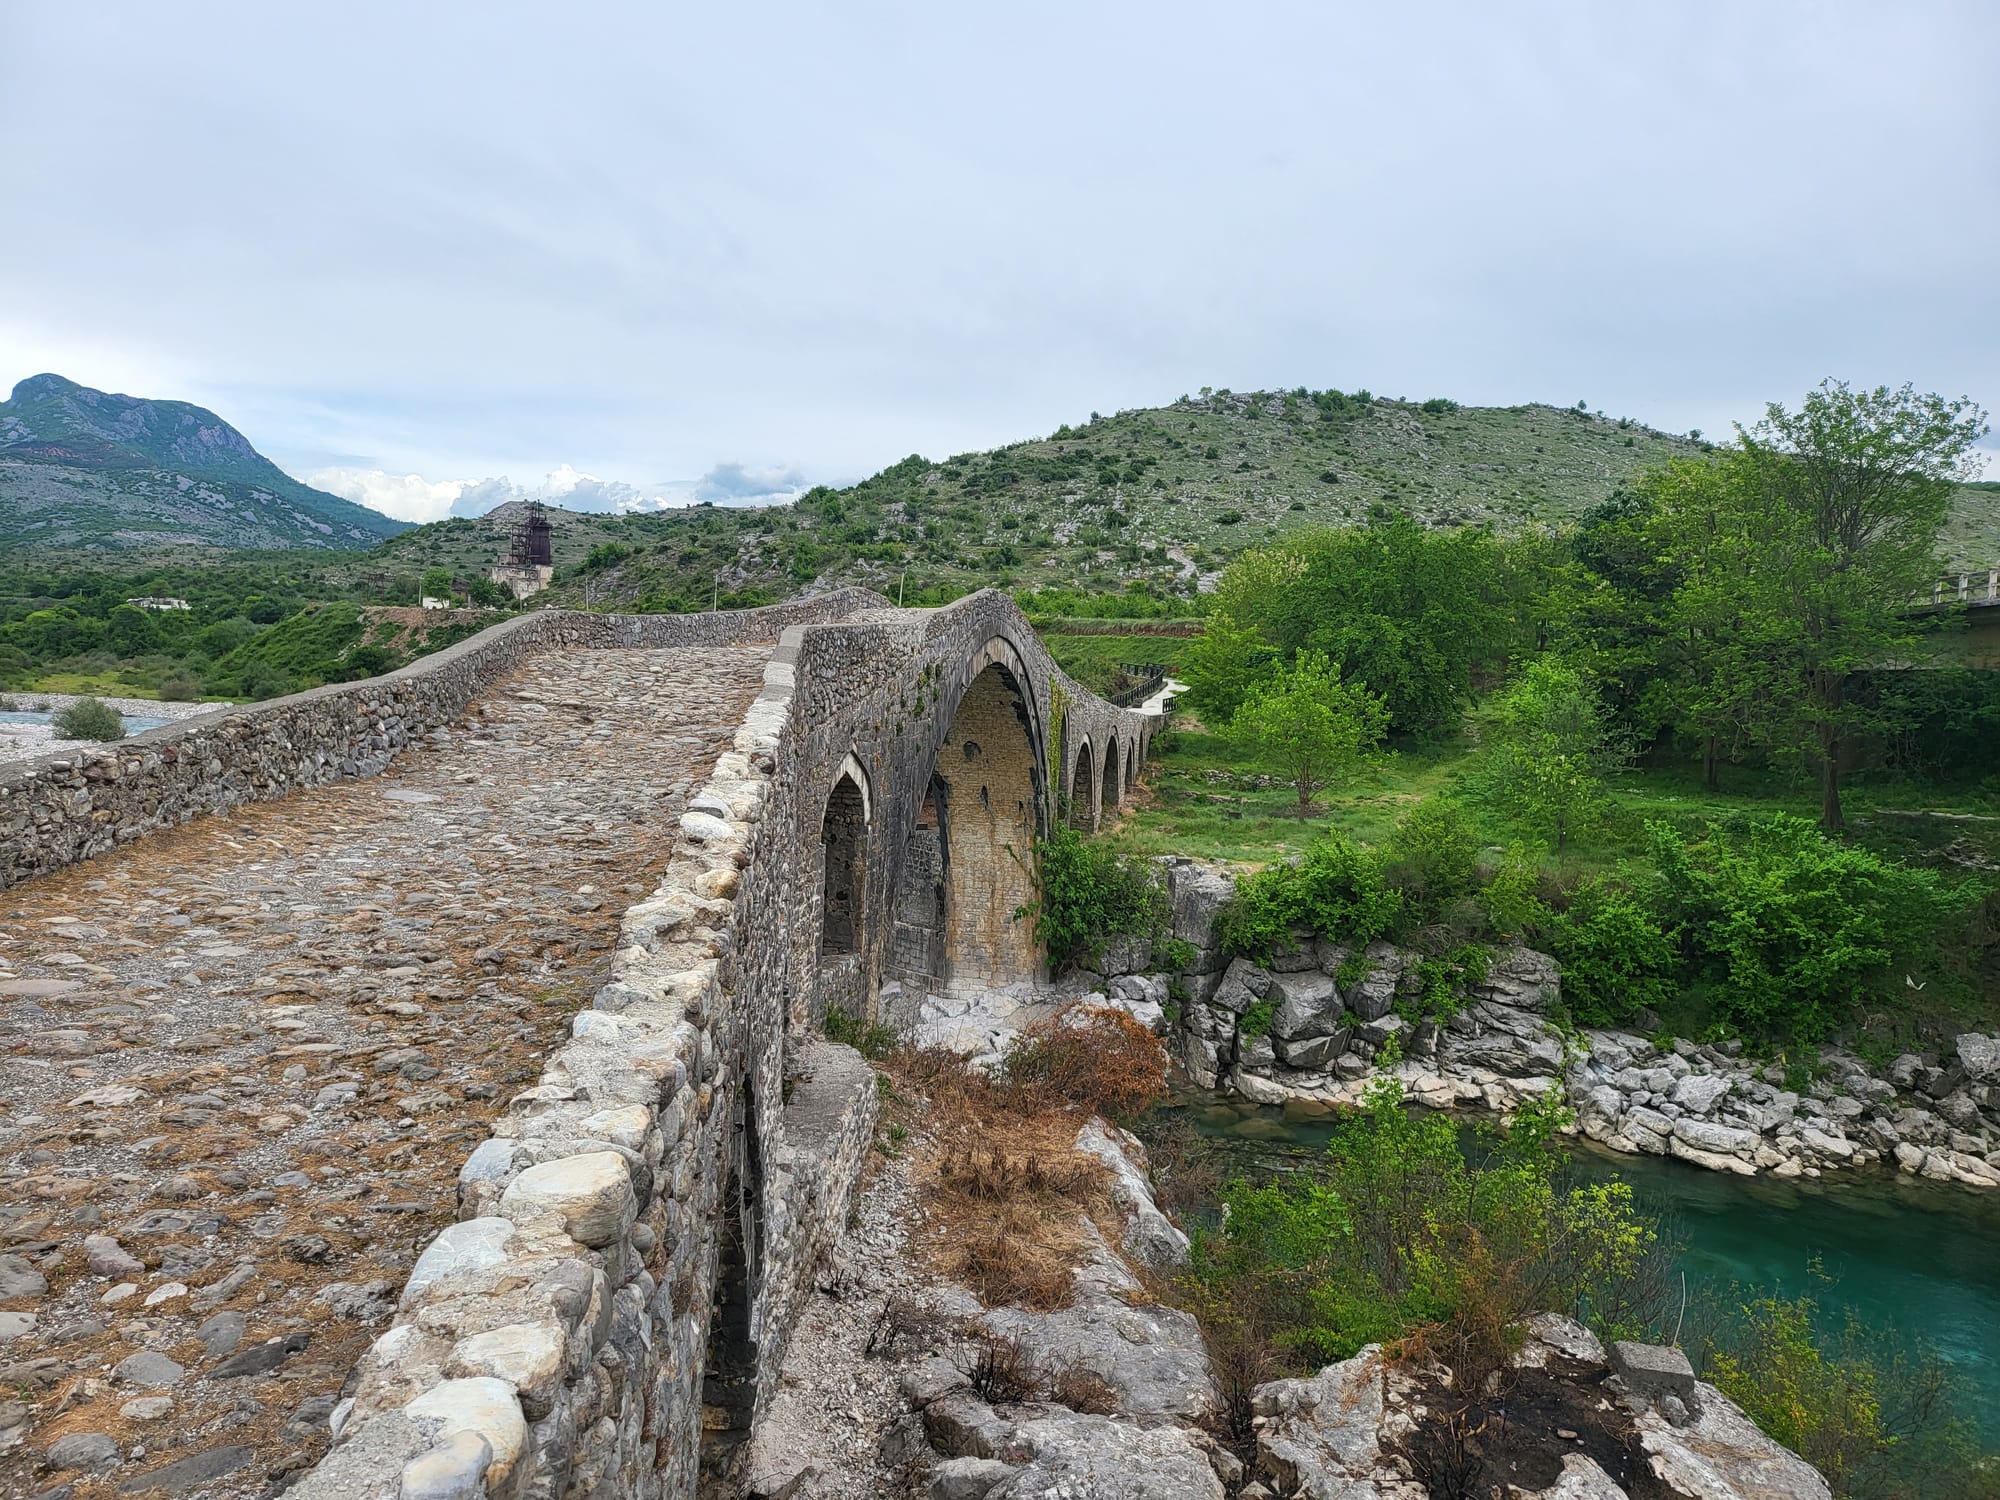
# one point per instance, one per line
(81, 468)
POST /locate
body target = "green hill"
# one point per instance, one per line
(1156, 497)
(83, 469)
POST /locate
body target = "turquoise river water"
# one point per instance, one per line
(1918, 1257)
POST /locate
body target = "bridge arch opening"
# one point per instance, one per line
(987, 799)
(843, 851)
(1081, 782)
(1114, 783)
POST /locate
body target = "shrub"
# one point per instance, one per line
(1086, 895)
(1401, 1234)
(1789, 929)
(1511, 897)
(1093, 1056)
(179, 688)
(261, 680)
(874, 1040)
(87, 719)
(1335, 889)
(1432, 855)
(1616, 960)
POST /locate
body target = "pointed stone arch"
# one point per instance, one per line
(1081, 798)
(843, 861)
(1112, 783)
(987, 794)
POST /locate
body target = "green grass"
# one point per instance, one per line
(1202, 799)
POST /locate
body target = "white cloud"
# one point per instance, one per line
(407, 497)
(411, 497)
(902, 247)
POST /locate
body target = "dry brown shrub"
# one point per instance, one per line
(1006, 1189)
(1001, 1372)
(1082, 1389)
(1094, 1056)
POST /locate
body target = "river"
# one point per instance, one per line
(1921, 1258)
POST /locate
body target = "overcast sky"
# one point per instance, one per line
(650, 241)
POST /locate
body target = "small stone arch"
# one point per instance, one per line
(1114, 781)
(843, 856)
(1082, 789)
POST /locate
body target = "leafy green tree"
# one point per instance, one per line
(1843, 501)
(1406, 610)
(437, 583)
(1308, 721)
(1550, 747)
(1221, 666)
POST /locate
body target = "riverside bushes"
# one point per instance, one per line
(1788, 929)
(1768, 928)
(1086, 895)
(1399, 1235)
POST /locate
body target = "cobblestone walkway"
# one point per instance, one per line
(240, 1063)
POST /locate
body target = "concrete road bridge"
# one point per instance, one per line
(413, 1084)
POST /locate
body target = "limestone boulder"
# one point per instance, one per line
(1717, 1453)
(1373, 995)
(1152, 1358)
(1980, 1057)
(1243, 985)
(1324, 1434)
(1149, 1237)
(1522, 978)
(1308, 1005)
(1068, 1453)
(1195, 892)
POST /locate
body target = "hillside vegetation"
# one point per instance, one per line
(1150, 504)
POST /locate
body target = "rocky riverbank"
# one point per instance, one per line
(901, 1383)
(1315, 1026)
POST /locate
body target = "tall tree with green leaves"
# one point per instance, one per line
(1843, 501)
(1315, 726)
(1222, 665)
(1549, 749)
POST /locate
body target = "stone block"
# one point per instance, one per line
(487, 1408)
(454, 1470)
(592, 1192)
(469, 1245)
(531, 1357)
(1652, 1370)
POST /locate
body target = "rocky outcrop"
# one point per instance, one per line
(1321, 1021)
(1596, 1422)
(1135, 1376)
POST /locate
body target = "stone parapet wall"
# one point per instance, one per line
(568, 1337)
(61, 808)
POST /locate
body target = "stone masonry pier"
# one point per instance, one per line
(527, 944)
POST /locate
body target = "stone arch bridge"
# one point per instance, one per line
(825, 803)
